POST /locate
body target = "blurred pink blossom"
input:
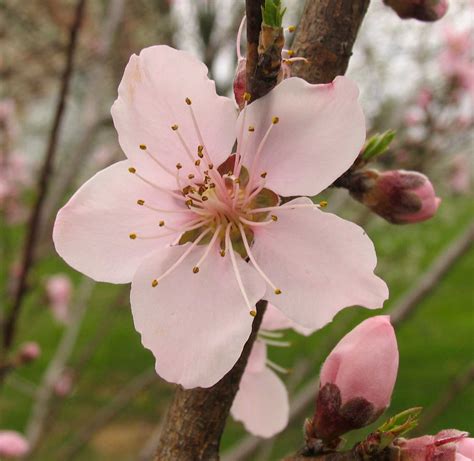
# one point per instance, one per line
(460, 177)
(59, 291)
(63, 385)
(13, 445)
(28, 352)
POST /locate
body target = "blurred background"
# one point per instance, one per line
(90, 391)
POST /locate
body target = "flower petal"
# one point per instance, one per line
(261, 403)
(152, 98)
(195, 324)
(92, 231)
(320, 131)
(321, 263)
(274, 319)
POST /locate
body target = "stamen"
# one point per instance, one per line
(271, 334)
(287, 207)
(156, 281)
(185, 146)
(152, 237)
(155, 186)
(239, 38)
(276, 343)
(256, 223)
(165, 168)
(276, 367)
(252, 311)
(208, 249)
(161, 210)
(290, 29)
(276, 290)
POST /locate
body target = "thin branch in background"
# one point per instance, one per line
(9, 326)
(399, 313)
(44, 394)
(106, 414)
(459, 383)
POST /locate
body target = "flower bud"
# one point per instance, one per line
(59, 292)
(13, 445)
(29, 352)
(399, 196)
(356, 380)
(240, 82)
(423, 10)
(447, 445)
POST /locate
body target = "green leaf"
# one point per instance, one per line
(377, 145)
(398, 425)
(272, 13)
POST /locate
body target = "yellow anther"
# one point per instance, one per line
(323, 203)
(179, 166)
(205, 199)
(253, 313)
(197, 162)
(237, 180)
(290, 53)
(195, 270)
(132, 170)
(133, 236)
(174, 127)
(140, 202)
(154, 283)
(275, 120)
(142, 146)
(263, 175)
(277, 291)
(188, 101)
(210, 166)
(189, 202)
(222, 253)
(274, 217)
(200, 149)
(247, 96)
(251, 129)
(291, 29)
(212, 185)
(190, 176)
(161, 223)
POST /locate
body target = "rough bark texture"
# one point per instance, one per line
(325, 37)
(196, 418)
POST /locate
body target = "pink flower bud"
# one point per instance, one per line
(59, 291)
(29, 352)
(357, 379)
(13, 445)
(63, 385)
(240, 82)
(444, 446)
(423, 10)
(399, 196)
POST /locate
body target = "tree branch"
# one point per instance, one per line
(9, 325)
(325, 37)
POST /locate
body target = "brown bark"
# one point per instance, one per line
(325, 37)
(196, 418)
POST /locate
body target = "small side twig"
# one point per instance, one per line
(9, 325)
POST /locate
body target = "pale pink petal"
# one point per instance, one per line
(321, 263)
(465, 448)
(152, 98)
(274, 319)
(195, 324)
(261, 403)
(258, 357)
(365, 362)
(13, 445)
(92, 231)
(320, 131)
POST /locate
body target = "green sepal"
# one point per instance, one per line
(377, 145)
(398, 425)
(237, 242)
(265, 198)
(192, 235)
(272, 13)
(228, 166)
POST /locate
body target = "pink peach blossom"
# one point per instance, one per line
(59, 291)
(465, 448)
(13, 445)
(179, 217)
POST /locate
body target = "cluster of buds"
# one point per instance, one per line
(399, 196)
(356, 383)
(423, 10)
